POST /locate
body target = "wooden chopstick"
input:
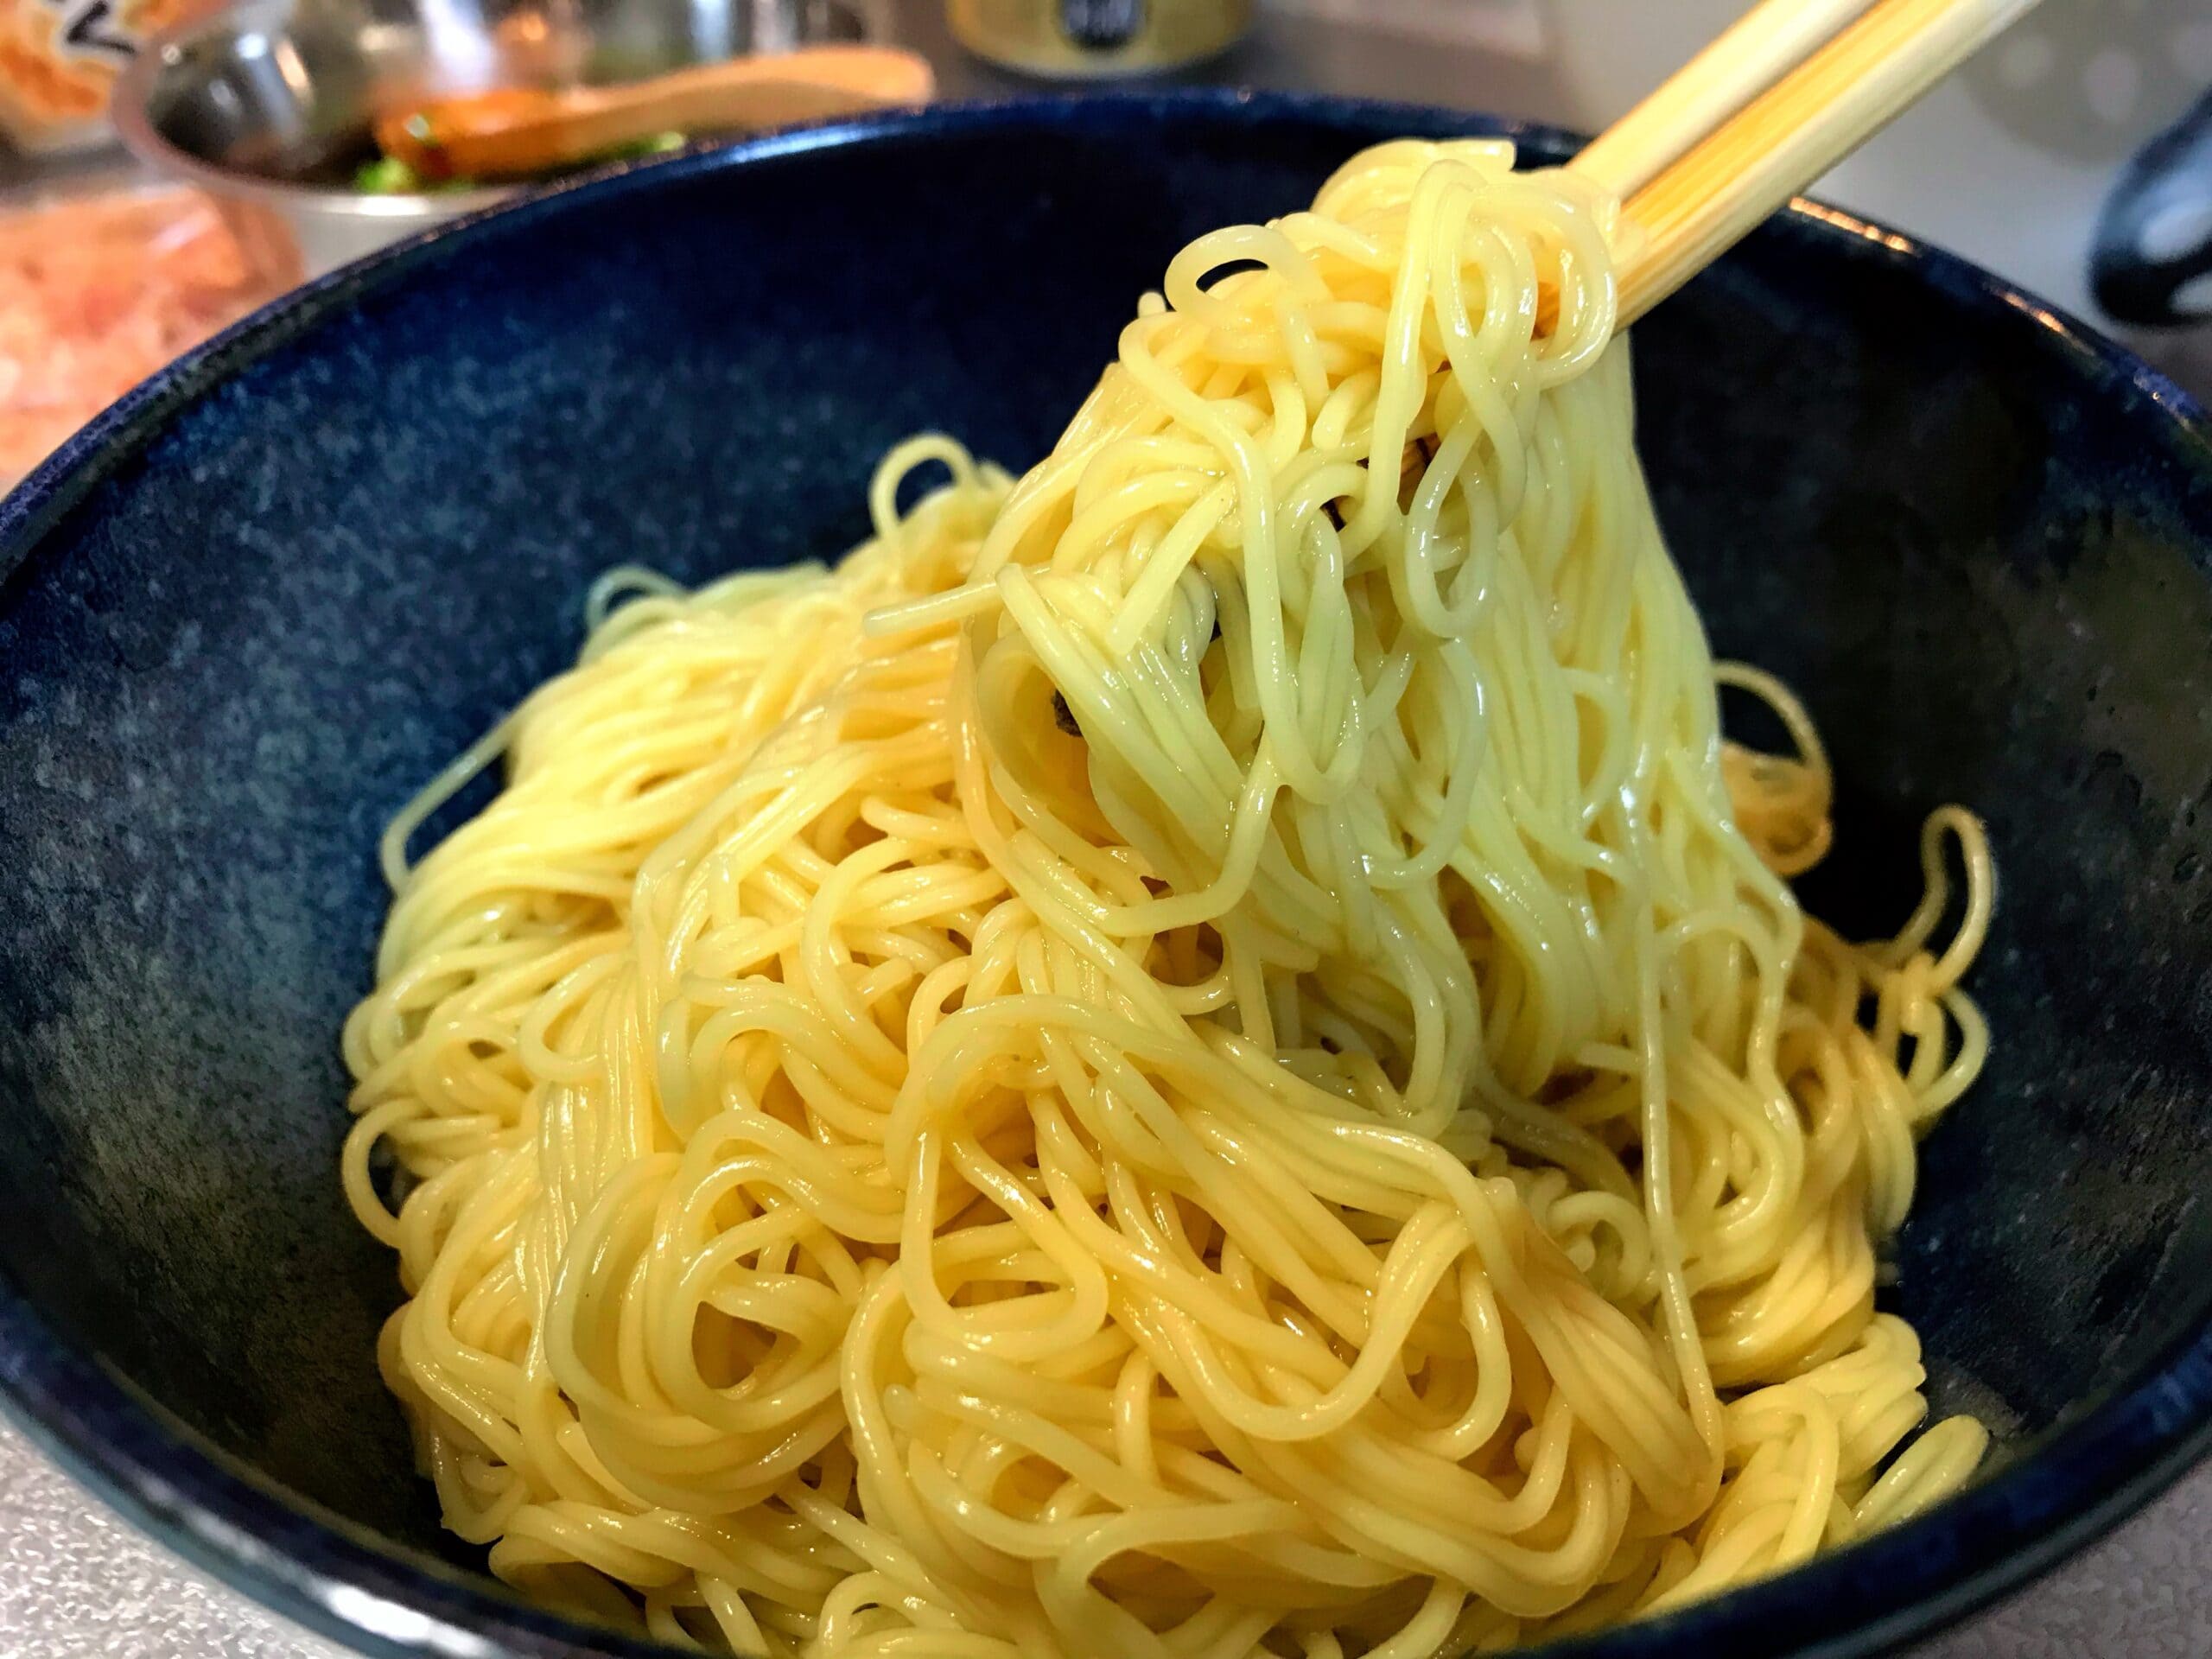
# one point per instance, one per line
(1701, 203)
(1763, 45)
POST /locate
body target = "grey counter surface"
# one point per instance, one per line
(2007, 165)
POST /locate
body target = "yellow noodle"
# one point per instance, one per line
(1203, 1054)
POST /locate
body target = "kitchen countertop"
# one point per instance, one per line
(2005, 164)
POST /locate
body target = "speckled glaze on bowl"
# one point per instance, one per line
(248, 612)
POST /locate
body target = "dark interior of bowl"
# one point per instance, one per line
(244, 629)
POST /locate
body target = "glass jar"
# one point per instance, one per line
(1083, 40)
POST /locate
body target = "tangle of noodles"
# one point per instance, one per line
(1205, 1053)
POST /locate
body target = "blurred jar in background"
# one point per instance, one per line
(1094, 39)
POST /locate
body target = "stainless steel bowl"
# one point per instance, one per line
(267, 105)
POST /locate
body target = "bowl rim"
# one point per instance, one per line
(2098, 1466)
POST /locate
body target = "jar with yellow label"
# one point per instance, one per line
(1073, 40)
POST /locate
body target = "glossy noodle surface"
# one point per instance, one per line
(1204, 1052)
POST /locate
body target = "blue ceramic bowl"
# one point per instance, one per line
(254, 607)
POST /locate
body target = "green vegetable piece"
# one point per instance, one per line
(659, 144)
(387, 175)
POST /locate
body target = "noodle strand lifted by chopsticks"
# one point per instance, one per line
(1203, 1054)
